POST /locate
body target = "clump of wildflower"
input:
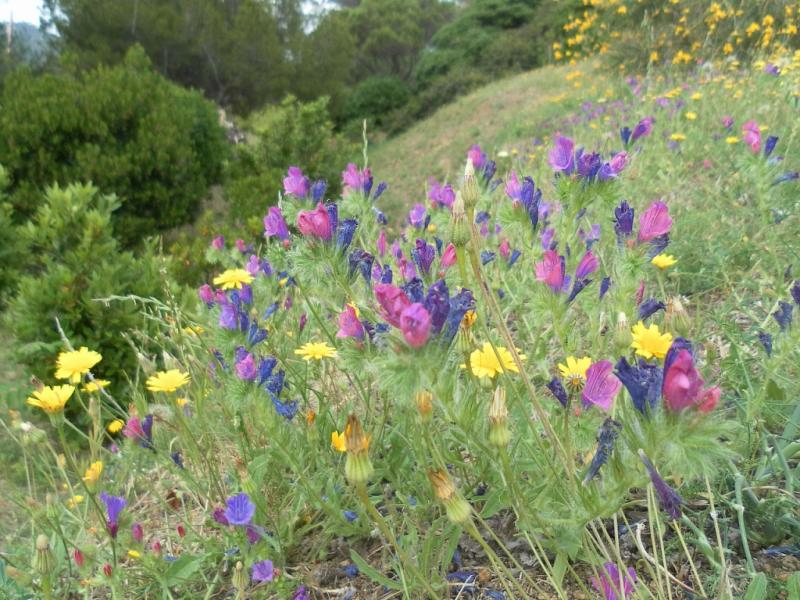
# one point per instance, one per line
(167, 381)
(457, 508)
(74, 364)
(51, 399)
(485, 362)
(358, 467)
(233, 279)
(315, 351)
(649, 342)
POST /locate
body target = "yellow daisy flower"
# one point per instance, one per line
(72, 365)
(167, 381)
(95, 385)
(134, 554)
(691, 116)
(338, 441)
(92, 474)
(315, 351)
(484, 362)
(51, 399)
(677, 137)
(115, 426)
(74, 501)
(233, 279)
(574, 372)
(663, 261)
(649, 341)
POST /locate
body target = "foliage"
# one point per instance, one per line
(11, 250)
(73, 261)
(292, 133)
(377, 96)
(126, 129)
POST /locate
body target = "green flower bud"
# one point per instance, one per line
(499, 434)
(240, 579)
(460, 231)
(43, 557)
(458, 510)
(470, 190)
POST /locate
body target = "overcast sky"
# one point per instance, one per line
(24, 10)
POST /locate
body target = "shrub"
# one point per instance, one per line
(293, 133)
(75, 260)
(375, 97)
(11, 253)
(126, 129)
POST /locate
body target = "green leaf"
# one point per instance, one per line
(182, 569)
(372, 572)
(793, 586)
(757, 590)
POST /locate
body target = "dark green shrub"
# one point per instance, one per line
(126, 129)
(292, 133)
(11, 248)
(375, 97)
(73, 260)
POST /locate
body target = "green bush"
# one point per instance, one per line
(126, 129)
(292, 133)
(73, 260)
(11, 253)
(375, 97)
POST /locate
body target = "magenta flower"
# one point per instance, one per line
(611, 585)
(751, 134)
(643, 129)
(218, 243)
(513, 187)
(295, 183)
(263, 571)
(415, 323)
(550, 270)
(246, 367)
(137, 533)
(393, 302)
(133, 429)
(380, 244)
(655, 221)
(355, 180)
(316, 223)
(684, 387)
(349, 324)
(602, 385)
(587, 266)
(505, 248)
(727, 122)
(618, 162)
(206, 294)
(407, 269)
(440, 194)
(561, 157)
(275, 224)
(449, 256)
(477, 156)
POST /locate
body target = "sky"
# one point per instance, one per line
(24, 10)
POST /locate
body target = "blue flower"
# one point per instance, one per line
(349, 515)
(557, 389)
(623, 220)
(766, 341)
(604, 285)
(239, 509)
(650, 307)
(487, 256)
(783, 315)
(437, 303)
(643, 382)
(606, 436)
(344, 235)
(423, 255)
(668, 499)
(263, 571)
(318, 190)
(114, 506)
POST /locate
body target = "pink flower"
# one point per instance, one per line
(393, 302)
(206, 294)
(601, 385)
(513, 186)
(415, 323)
(551, 270)
(295, 183)
(587, 266)
(505, 249)
(561, 157)
(354, 179)
(477, 156)
(611, 585)
(752, 136)
(133, 429)
(218, 243)
(407, 269)
(349, 325)
(655, 221)
(316, 223)
(381, 243)
(448, 256)
(275, 224)
(684, 387)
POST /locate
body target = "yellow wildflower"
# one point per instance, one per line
(485, 362)
(315, 351)
(691, 116)
(115, 426)
(134, 554)
(51, 399)
(662, 261)
(233, 279)
(92, 474)
(677, 137)
(167, 381)
(574, 372)
(338, 441)
(72, 365)
(95, 385)
(732, 139)
(74, 501)
(649, 341)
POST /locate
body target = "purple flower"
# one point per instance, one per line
(275, 224)
(604, 285)
(344, 236)
(246, 367)
(301, 594)
(547, 238)
(206, 294)
(587, 266)
(219, 516)
(751, 135)
(415, 323)
(623, 220)
(550, 270)
(263, 571)
(315, 223)
(295, 183)
(611, 585)
(601, 385)
(606, 436)
(766, 341)
(356, 180)
(654, 222)
(437, 303)
(440, 194)
(114, 506)
(795, 291)
(349, 324)
(668, 499)
(557, 389)
(771, 69)
(649, 307)
(239, 509)
(218, 243)
(228, 316)
(589, 165)
(783, 315)
(513, 187)
(423, 255)
(561, 157)
(416, 216)
(769, 145)
(318, 190)
(643, 382)
(727, 122)
(477, 156)
(643, 129)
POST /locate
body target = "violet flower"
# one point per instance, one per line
(561, 156)
(611, 585)
(601, 385)
(415, 323)
(295, 183)
(654, 222)
(349, 324)
(416, 216)
(240, 509)
(668, 499)
(263, 571)
(114, 506)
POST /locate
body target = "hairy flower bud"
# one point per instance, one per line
(499, 434)
(457, 509)
(470, 190)
(623, 334)
(424, 402)
(460, 231)
(43, 557)
(676, 317)
(357, 468)
(239, 577)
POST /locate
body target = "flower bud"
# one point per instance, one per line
(676, 317)
(78, 557)
(424, 402)
(458, 510)
(470, 190)
(239, 577)
(460, 231)
(499, 434)
(156, 547)
(137, 533)
(357, 468)
(43, 557)
(623, 334)
(181, 531)
(107, 570)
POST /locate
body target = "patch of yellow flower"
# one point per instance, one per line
(649, 341)
(316, 351)
(485, 362)
(92, 474)
(167, 381)
(663, 261)
(574, 372)
(51, 399)
(233, 279)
